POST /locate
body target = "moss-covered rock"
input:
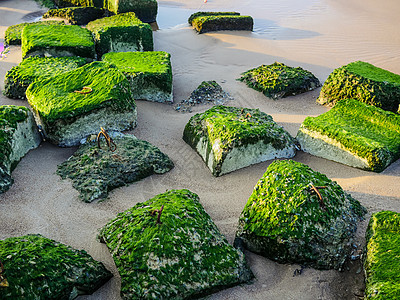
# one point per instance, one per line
(381, 260)
(77, 3)
(18, 78)
(169, 248)
(18, 135)
(40, 268)
(149, 73)
(355, 134)
(121, 33)
(13, 33)
(77, 15)
(211, 13)
(286, 221)
(230, 138)
(57, 40)
(278, 80)
(77, 103)
(95, 172)
(363, 82)
(145, 10)
(205, 22)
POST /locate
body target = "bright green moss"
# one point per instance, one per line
(363, 82)
(286, 221)
(211, 13)
(95, 172)
(382, 263)
(182, 257)
(207, 23)
(30, 69)
(76, 15)
(13, 33)
(71, 3)
(56, 40)
(145, 10)
(40, 268)
(367, 131)
(121, 33)
(278, 80)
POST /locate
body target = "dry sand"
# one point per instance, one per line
(318, 35)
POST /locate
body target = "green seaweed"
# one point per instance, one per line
(286, 221)
(211, 13)
(125, 29)
(381, 262)
(18, 78)
(367, 131)
(207, 23)
(78, 3)
(95, 172)
(13, 33)
(181, 257)
(40, 268)
(363, 82)
(77, 15)
(39, 39)
(145, 10)
(278, 80)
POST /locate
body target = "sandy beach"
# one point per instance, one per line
(317, 35)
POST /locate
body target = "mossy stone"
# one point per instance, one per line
(40, 268)
(381, 258)
(211, 13)
(77, 15)
(18, 78)
(121, 33)
(286, 221)
(211, 22)
(278, 80)
(145, 10)
(68, 113)
(78, 3)
(13, 33)
(57, 40)
(229, 138)
(181, 256)
(355, 134)
(95, 172)
(149, 73)
(363, 82)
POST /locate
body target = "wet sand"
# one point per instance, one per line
(318, 35)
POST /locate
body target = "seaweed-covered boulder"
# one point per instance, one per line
(278, 80)
(18, 78)
(95, 172)
(40, 268)
(297, 215)
(363, 82)
(57, 40)
(354, 134)
(18, 135)
(230, 138)
(149, 73)
(76, 15)
(204, 22)
(13, 33)
(121, 33)
(381, 260)
(77, 103)
(78, 3)
(211, 13)
(169, 248)
(145, 10)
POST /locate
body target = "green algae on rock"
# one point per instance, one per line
(204, 22)
(169, 248)
(57, 40)
(121, 33)
(381, 260)
(230, 138)
(77, 15)
(149, 73)
(286, 221)
(95, 172)
(13, 33)
(355, 134)
(40, 268)
(18, 135)
(363, 82)
(145, 10)
(67, 114)
(278, 80)
(18, 78)
(78, 3)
